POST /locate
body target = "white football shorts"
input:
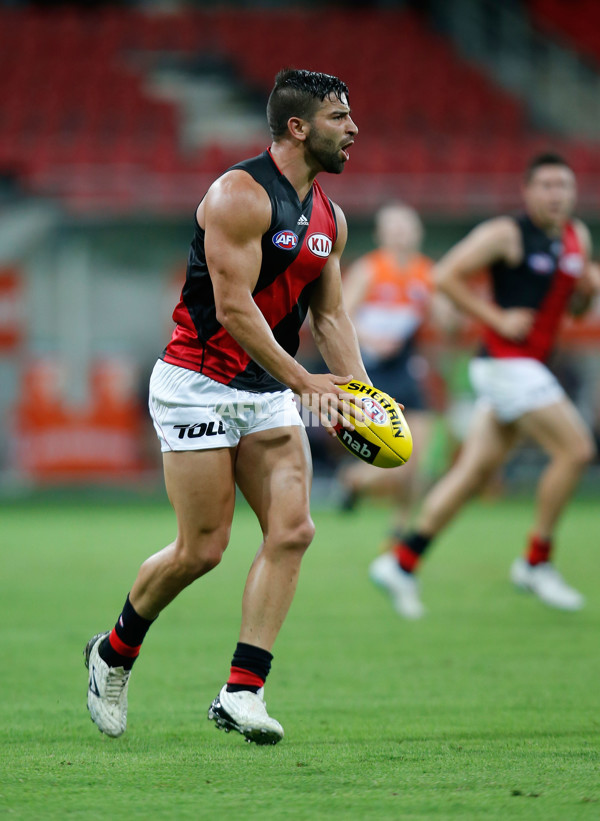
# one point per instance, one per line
(192, 412)
(513, 387)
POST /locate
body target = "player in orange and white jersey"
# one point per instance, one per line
(388, 293)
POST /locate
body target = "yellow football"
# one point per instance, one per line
(383, 439)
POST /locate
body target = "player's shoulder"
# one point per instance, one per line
(339, 213)
(236, 183)
(502, 227)
(341, 224)
(423, 263)
(499, 238)
(236, 198)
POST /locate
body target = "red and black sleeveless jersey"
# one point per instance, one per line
(294, 252)
(544, 281)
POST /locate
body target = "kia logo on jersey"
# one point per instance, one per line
(319, 245)
(286, 240)
(541, 263)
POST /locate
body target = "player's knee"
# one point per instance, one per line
(198, 556)
(191, 566)
(296, 535)
(582, 451)
(306, 533)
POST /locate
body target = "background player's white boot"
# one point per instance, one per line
(107, 690)
(245, 712)
(403, 587)
(545, 582)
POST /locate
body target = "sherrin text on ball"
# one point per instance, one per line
(381, 437)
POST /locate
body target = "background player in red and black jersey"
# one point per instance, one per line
(540, 269)
(266, 251)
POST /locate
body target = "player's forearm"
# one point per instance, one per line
(587, 291)
(467, 300)
(248, 327)
(336, 339)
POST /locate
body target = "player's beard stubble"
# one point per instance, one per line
(326, 152)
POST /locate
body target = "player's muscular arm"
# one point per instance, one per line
(492, 241)
(331, 325)
(235, 214)
(588, 285)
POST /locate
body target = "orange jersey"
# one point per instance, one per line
(397, 297)
(391, 284)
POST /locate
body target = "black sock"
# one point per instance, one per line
(250, 667)
(409, 551)
(122, 646)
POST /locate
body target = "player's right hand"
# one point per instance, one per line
(515, 323)
(322, 396)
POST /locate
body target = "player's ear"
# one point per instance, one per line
(299, 128)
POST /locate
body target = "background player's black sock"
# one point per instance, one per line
(250, 667)
(122, 646)
(410, 550)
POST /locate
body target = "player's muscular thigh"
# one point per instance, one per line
(273, 471)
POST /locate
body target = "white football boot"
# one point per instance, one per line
(107, 690)
(403, 587)
(245, 712)
(545, 582)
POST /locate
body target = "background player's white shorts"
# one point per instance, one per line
(192, 412)
(513, 387)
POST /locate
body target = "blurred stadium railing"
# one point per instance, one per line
(115, 119)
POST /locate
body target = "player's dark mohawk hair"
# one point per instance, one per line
(296, 93)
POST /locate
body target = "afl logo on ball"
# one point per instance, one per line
(374, 411)
(286, 240)
(319, 245)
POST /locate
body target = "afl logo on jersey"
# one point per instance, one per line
(286, 240)
(319, 245)
(541, 263)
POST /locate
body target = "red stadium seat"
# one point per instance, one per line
(84, 103)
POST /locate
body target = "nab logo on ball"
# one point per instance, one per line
(357, 444)
(382, 436)
(319, 245)
(374, 411)
(286, 240)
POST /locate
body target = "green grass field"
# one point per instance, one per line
(486, 709)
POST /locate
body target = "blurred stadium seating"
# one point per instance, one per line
(577, 21)
(80, 121)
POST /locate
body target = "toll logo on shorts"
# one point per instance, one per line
(319, 245)
(374, 411)
(200, 429)
(286, 240)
